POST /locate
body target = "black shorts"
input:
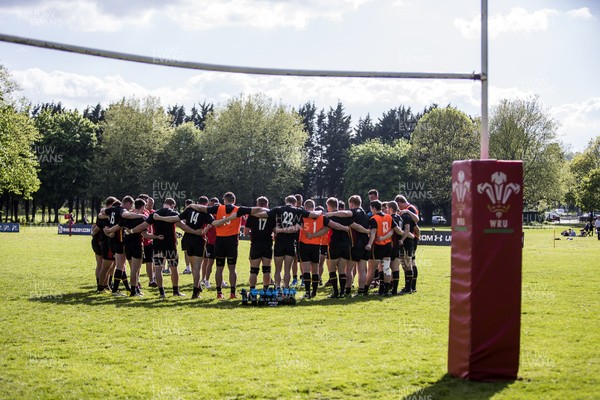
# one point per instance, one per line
(324, 250)
(336, 252)
(408, 248)
(115, 246)
(309, 252)
(285, 247)
(184, 242)
(396, 252)
(261, 249)
(148, 253)
(170, 256)
(415, 243)
(133, 250)
(194, 245)
(107, 253)
(209, 251)
(226, 247)
(96, 247)
(381, 251)
(358, 253)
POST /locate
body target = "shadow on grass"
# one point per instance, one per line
(449, 387)
(88, 296)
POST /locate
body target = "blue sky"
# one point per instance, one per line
(548, 48)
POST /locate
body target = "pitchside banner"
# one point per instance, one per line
(9, 227)
(75, 229)
(485, 287)
(435, 238)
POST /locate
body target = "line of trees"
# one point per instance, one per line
(51, 157)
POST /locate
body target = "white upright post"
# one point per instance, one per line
(485, 135)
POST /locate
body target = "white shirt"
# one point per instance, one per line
(598, 223)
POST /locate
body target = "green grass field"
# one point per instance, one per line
(61, 340)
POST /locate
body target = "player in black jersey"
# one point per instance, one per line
(108, 258)
(409, 213)
(401, 240)
(114, 214)
(227, 224)
(132, 244)
(188, 260)
(285, 241)
(261, 244)
(339, 246)
(194, 243)
(165, 249)
(297, 221)
(360, 237)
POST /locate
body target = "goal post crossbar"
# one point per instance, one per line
(167, 62)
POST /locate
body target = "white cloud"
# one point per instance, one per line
(80, 15)
(267, 14)
(580, 122)
(518, 20)
(583, 13)
(92, 16)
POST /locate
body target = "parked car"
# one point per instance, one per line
(438, 220)
(553, 217)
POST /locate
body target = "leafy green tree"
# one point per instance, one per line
(583, 167)
(365, 130)
(177, 115)
(198, 116)
(588, 195)
(183, 164)
(135, 135)
(522, 130)
(376, 165)
(255, 147)
(308, 114)
(336, 143)
(18, 165)
(583, 163)
(65, 152)
(397, 123)
(442, 135)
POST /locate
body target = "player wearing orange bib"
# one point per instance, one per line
(226, 245)
(380, 225)
(309, 250)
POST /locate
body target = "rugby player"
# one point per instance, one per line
(380, 225)
(261, 244)
(228, 233)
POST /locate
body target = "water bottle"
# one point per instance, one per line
(253, 297)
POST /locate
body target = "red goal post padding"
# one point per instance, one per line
(485, 288)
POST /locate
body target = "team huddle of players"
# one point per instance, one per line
(369, 246)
